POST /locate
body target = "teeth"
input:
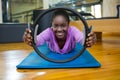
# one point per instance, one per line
(60, 34)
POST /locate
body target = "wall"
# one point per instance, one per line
(0, 12)
(21, 7)
(109, 8)
(45, 4)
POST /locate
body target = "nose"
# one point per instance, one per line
(59, 28)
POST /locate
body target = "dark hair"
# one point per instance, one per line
(62, 13)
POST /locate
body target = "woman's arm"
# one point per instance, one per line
(43, 37)
(79, 37)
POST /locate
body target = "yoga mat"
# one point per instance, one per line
(34, 61)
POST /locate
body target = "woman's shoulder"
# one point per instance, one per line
(73, 30)
(47, 30)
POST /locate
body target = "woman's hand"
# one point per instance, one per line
(91, 39)
(27, 37)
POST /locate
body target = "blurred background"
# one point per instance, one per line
(22, 11)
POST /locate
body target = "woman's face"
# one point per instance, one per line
(60, 26)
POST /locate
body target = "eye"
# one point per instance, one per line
(63, 25)
(55, 25)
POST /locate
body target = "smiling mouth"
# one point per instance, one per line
(59, 34)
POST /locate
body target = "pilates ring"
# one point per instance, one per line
(35, 26)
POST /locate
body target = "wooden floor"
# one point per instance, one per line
(106, 52)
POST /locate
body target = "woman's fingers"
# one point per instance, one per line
(91, 39)
(28, 30)
(27, 37)
(29, 42)
(91, 34)
(89, 43)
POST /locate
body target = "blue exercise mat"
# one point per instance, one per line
(33, 60)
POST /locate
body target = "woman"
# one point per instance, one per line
(61, 37)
